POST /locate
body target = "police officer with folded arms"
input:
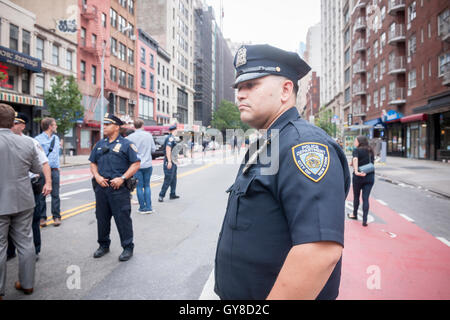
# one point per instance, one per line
(114, 161)
(283, 231)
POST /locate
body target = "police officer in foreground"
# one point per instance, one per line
(283, 233)
(170, 167)
(114, 161)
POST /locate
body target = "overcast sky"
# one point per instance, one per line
(282, 23)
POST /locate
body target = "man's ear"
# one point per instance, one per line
(286, 90)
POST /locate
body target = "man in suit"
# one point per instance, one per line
(18, 156)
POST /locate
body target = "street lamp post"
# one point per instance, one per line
(102, 95)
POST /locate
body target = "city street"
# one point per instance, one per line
(402, 254)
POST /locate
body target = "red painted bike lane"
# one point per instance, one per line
(395, 260)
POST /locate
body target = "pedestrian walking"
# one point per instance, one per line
(18, 156)
(144, 142)
(40, 185)
(51, 144)
(114, 161)
(169, 166)
(283, 231)
(363, 176)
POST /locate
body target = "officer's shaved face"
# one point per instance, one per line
(259, 99)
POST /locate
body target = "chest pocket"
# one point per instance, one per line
(238, 193)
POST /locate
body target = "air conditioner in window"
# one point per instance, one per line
(132, 101)
(133, 37)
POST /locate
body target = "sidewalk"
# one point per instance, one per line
(430, 175)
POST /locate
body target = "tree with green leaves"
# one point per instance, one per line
(227, 116)
(64, 104)
(323, 121)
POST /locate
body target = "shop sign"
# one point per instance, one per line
(19, 59)
(391, 115)
(4, 77)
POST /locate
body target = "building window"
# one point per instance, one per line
(146, 107)
(347, 95)
(152, 82)
(94, 40)
(14, 37)
(26, 39)
(83, 70)
(375, 99)
(113, 46)
(55, 55)
(122, 78)
(69, 60)
(123, 3)
(443, 60)
(26, 82)
(412, 79)
(122, 24)
(130, 56)
(443, 22)
(40, 49)
(103, 20)
(113, 74)
(131, 6)
(411, 13)
(411, 45)
(143, 75)
(122, 105)
(152, 61)
(131, 31)
(143, 55)
(94, 75)
(382, 95)
(130, 81)
(39, 83)
(113, 15)
(122, 51)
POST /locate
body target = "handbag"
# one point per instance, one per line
(367, 168)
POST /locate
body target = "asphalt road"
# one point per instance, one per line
(175, 247)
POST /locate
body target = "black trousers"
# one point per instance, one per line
(114, 203)
(365, 185)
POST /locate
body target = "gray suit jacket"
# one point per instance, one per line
(17, 156)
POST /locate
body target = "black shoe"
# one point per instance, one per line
(352, 217)
(126, 255)
(101, 252)
(161, 199)
(364, 224)
(174, 197)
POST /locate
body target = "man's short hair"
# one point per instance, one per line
(138, 123)
(7, 115)
(46, 123)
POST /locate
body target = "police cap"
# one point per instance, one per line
(173, 127)
(110, 118)
(256, 61)
(21, 118)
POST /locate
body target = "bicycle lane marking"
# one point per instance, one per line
(411, 263)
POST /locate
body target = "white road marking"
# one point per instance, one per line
(383, 203)
(445, 241)
(74, 176)
(406, 217)
(64, 196)
(208, 290)
(349, 205)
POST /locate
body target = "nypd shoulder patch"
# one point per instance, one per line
(312, 159)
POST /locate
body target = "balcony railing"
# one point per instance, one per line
(360, 24)
(360, 45)
(89, 48)
(89, 12)
(361, 4)
(397, 65)
(396, 5)
(397, 96)
(397, 34)
(359, 67)
(359, 110)
(359, 89)
(446, 74)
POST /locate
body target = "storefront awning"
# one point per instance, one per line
(17, 98)
(373, 122)
(436, 104)
(414, 117)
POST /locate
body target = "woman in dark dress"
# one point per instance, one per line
(362, 155)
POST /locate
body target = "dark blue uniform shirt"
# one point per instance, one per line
(113, 159)
(171, 142)
(303, 202)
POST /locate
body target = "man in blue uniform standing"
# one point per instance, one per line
(170, 167)
(283, 231)
(114, 160)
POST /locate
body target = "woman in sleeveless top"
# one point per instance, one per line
(362, 155)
